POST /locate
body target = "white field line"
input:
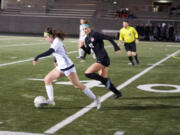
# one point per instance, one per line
(16, 45)
(81, 112)
(119, 133)
(17, 133)
(30, 59)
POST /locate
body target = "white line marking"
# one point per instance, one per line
(119, 133)
(16, 62)
(81, 112)
(16, 45)
(30, 59)
(17, 133)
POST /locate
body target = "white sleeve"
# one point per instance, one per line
(56, 44)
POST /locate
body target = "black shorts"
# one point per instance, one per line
(105, 62)
(130, 46)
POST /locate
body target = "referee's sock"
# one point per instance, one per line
(136, 58)
(131, 60)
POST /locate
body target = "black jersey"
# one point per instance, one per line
(95, 42)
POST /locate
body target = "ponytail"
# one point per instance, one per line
(55, 33)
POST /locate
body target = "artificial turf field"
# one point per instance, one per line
(138, 112)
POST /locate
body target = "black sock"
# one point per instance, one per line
(114, 90)
(103, 80)
(95, 76)
(130, 59)
(84, 56)
(136, 58)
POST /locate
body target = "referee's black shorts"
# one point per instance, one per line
(130, 46)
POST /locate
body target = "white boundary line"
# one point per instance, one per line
(16, 45)
(30, 59)
(81, 112)
(17, 133)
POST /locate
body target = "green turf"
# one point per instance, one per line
(136, 113)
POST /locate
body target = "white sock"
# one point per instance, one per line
(50, 92)
(80, 52)
(89, 93)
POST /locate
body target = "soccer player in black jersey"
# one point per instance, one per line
(94, 41)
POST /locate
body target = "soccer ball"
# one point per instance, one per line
(39, 101)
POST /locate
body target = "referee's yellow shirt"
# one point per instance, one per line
(128, 34)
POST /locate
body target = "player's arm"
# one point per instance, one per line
(136, 35)
(110, 39)
(86, 48)
(121, 38)
(44, 54)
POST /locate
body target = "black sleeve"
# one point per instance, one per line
(105, 37)
(87, 49)
(47, 53)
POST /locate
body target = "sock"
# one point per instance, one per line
(130, 59)
(84, 56)
(114, 90)
(50, 93)
(136, 58)
(80, 52)
(95, 76)
(89, 93)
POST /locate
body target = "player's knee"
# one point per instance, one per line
(47, 80)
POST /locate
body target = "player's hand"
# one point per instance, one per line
(118, 52)
(137, 41)
(55, 64)
(120, 43)
(34, 63)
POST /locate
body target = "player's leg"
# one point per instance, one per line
(104, 73)
(73, 77)
(134, 54)
(129, 54)
(91, 73)
(80, 51)
(52, 75)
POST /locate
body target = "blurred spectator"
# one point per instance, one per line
(147, 32)
(159, 32)
(171, 33)
(164, 31)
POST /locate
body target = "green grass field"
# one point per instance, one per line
(138, 112)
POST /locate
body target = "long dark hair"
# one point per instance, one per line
(55, 33)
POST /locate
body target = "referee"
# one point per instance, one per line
(129, 36)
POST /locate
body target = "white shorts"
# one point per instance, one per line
(67, 72)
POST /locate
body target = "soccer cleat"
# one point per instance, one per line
(98, 103)
(137, 61)
(48, 103)
(51, 103)
(132, 64)
(117, 96)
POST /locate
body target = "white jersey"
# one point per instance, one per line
(62, 59)
(82, 33)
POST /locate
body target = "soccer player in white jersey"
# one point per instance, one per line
(82, 36)
(64, 66)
